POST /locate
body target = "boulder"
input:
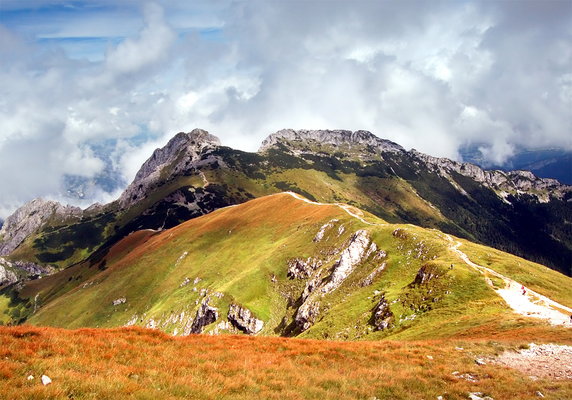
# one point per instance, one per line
(46, 380)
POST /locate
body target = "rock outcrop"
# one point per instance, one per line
(426, 273)
(243, 319)
(352, 255)
(206, 315)
(302, 269)
(7, 277)
(25, 270)
(382, 317)
(306, 315)
(119, 301)
(357, 250)
(368, 280)
(29, 218)
(320, 235)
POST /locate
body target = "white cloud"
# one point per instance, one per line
(431, 75)
(150, 47)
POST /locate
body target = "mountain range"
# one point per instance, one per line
(194, 175)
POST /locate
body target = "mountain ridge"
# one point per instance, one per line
(193, 175)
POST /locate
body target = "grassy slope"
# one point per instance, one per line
(144, 364)
(237, 251)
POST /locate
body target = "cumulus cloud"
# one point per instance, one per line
(431, 75)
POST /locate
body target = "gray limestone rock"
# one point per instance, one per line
(302, 269)
(184, 152)
(306, 315)
(121, 300)
(368, 280)
(517, 182)
(243, 319)
(425, 274)
(382, 317)
(7, 277)
(332, 137)
(206, 315)
(352, 255)
(358, 248)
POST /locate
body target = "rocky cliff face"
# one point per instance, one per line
(30, 217)
(206, 315)
(185, 151)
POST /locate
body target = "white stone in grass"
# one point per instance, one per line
(30, 377)
(479, 396)
(46, 380)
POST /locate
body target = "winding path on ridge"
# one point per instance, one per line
(346, 207)
(530, 304)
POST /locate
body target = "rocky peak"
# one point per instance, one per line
(31, 216)
(329, 137)
(182, 151)
(193, 142)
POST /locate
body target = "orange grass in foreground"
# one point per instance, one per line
(145, 364)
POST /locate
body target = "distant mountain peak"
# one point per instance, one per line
(337, 137)
(29, 218)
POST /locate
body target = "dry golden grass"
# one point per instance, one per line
(144, 364)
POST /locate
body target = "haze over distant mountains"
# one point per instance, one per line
(546, 163)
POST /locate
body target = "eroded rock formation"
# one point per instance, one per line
(206, 315)
(243, 319)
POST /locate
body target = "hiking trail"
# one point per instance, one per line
(529, 304)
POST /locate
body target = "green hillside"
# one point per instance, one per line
(246, 256)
